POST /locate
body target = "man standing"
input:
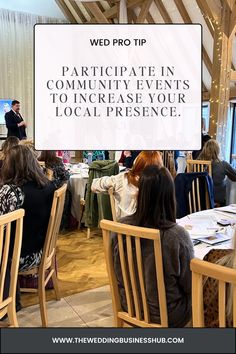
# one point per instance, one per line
(14, 121)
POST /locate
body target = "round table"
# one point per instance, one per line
(77, 186)
(207, 220)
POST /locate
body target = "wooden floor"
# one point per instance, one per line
(81, 265)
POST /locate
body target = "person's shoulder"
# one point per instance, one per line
(177, 233)
(225, 163)
(214, 255)
(9, 113)
(129, 220)
(11, 190)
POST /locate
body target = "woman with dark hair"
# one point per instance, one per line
(156, 209)
(24, 185)
(54, 163)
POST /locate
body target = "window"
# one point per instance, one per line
(206, 115)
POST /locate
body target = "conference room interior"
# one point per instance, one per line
(155, 267)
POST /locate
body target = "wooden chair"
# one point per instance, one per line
(47, 268)
(135, 304)
(8, 305)
(199, 166)
(194, 199)
(48, 171)
(41, 164)
(49, 174)
(112, 201)
(224, 275)
(169, 162)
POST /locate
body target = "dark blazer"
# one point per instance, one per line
(12, 121)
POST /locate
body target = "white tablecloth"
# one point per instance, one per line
(230, 192)
(202, 218)
(77, 186)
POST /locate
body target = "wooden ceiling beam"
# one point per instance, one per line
(182, 10)
(92, 17)
(78, 11)
(207, 18)
(186, 18)
(214, 9)
(96, 12)
(67, 13)
(207, 14)
(113, 11)
(164, 14)
(150, 19)
(144, 11)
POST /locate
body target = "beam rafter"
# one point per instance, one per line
(70, 17)
(186, 18)
(164, 14)
(96, 12)
(144, 11)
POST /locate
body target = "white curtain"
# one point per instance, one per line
(16, 60)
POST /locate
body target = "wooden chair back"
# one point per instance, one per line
(8, 305)
(137, 307)
(49, 249)
(47, 268)
(199, 166)
(112, 201)
(194, 198)
(169, 162)
(41, 164)
(48, 171)
(49, 174)
(223, 275)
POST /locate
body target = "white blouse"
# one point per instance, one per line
(125, 194)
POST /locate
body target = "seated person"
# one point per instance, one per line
(6, 146)
(127, 158)
(125, 184)
(156, 209)
(30, 144)
(25, 186)
(220, 170)
(227, 258)
(54, 163)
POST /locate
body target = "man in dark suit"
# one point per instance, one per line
(14, 121)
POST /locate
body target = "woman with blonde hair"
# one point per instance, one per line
(227, 258)
(6, 147)
(125, 184)
(220, 170)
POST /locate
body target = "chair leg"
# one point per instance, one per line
(55, 285)
(11, 314)
(88, 232)
(118, 322)
(42, 301)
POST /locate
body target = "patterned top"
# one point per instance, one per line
(60, 174)
(210, 291)
(11, 198)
